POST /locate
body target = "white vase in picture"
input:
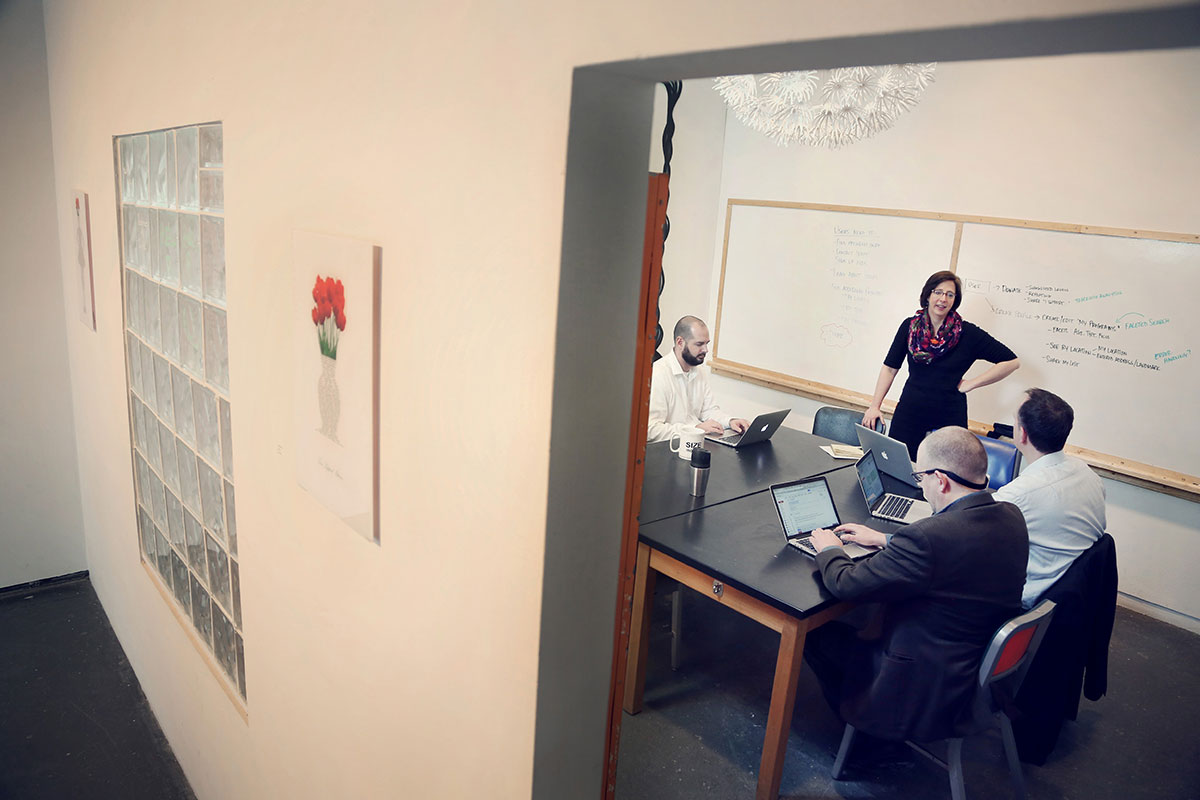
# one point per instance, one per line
(328, 399)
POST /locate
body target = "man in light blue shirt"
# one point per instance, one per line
(1060, 496)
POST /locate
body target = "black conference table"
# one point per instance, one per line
(730, 547)
(788, 455)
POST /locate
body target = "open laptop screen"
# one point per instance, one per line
(868, 478)
(805, 506)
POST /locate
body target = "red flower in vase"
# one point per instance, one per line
(329, 313)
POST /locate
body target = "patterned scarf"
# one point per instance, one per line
(924, 345)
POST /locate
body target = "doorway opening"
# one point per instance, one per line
(600, 316)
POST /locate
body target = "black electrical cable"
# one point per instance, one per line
(674, 90)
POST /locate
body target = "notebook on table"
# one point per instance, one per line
(885, 505)
(805, 505)
(761, 429)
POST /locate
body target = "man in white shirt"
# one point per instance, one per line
(1060, 496)
(680, 396)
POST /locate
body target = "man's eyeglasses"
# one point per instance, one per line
(917, 476)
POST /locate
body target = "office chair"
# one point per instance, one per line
(1004, 665)
(1004, 459)
(838, 424)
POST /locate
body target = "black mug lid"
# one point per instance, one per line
(701, 457)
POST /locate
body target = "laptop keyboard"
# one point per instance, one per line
(732, 438)
(803, 543)
(895, 506)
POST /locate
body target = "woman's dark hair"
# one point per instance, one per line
(932, 283)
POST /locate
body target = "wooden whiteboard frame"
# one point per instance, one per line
(1178, 484)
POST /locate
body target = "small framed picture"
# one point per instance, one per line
(335, 318)
(83, 259)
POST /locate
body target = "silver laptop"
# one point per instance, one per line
(884, 505)
(761, 428)
(804, 506)
(891, 454)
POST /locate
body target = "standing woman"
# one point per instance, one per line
(941, 346)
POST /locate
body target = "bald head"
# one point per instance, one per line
(686, 327)
(957, 450)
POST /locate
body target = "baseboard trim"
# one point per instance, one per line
(1161, 613)
(17, 588)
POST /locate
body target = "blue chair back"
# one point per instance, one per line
(1004, 459)
(838, 424)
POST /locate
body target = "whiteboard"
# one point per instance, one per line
(819, 294)
(812, 295)
(1108, 323)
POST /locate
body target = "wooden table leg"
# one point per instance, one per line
(783, 702)
(635, 664)
(792, 633)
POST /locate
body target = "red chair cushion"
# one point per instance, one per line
(1014, 649)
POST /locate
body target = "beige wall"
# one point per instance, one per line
(41, 531)
(438, 132)
(1105, 140)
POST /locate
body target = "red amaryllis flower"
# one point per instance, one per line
(328, 313)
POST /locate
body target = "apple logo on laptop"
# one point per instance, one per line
(763, 428)
(885, 455)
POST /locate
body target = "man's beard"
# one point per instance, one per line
(690, 359)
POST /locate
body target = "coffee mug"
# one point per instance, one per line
(689, 440)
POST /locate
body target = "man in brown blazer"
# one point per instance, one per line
(947, 583)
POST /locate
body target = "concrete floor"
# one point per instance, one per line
(700, 734)
(73, 720)
(75, 724)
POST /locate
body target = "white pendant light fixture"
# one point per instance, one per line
(825, 108)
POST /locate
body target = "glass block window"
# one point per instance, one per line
(171, 185)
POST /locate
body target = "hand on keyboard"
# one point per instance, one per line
(822, 538)
(861, 534)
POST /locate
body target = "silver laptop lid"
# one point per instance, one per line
(761, 429)
(891, 455)
(764, 426)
